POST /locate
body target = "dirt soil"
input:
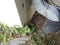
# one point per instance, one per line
(38, 20)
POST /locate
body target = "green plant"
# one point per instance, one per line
(24, 30)
(7, 32)
(31, 26)
(42, 40)
(3, 29)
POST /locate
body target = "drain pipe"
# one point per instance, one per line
(52, 23)
(47, 10)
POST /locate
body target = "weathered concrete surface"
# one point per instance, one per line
(18, 41)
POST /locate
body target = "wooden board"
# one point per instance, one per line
(25, 9)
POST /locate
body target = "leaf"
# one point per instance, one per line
(4, 39)
(1, 36)
(15, 30)
(31, 26)
(27, 30)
